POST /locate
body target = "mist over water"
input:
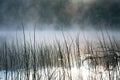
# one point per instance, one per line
(50, 36)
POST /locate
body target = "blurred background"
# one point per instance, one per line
(60, 14)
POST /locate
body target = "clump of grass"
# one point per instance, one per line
(44, 61)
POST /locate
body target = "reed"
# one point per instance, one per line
(60, 61)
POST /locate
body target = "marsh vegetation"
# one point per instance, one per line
(71, 59)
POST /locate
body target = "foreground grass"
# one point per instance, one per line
(61, 61)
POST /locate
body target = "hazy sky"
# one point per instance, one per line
(60, 14)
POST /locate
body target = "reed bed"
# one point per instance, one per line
(61, 61)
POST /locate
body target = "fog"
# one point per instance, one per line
(51, 36)
(60, 14)
(51, 18)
